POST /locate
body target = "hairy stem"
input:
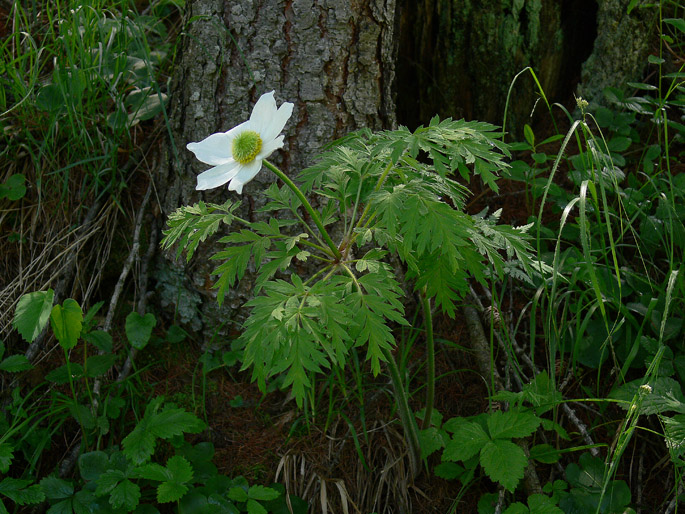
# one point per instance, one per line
(308, 207)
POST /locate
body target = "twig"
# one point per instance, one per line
(135, 247)
(68, 463)
(142, 302)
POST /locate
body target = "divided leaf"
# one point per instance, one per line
(510, 424)
(466, 442)
(503, 462)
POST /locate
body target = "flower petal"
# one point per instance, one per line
(244, 175)
(217, 176)
(270, 147)
(278, 121)
(263, 111)
(214, 149)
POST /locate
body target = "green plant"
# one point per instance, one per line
(373, 185)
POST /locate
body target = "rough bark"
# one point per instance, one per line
(333, 59)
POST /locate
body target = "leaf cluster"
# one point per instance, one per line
(391, 195)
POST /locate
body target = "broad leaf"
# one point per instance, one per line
(139, 329)
(67, 321)
(32, 313)
(15, 364)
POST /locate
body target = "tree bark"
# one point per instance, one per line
(334, 60)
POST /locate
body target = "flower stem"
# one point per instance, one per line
(308, 207)
(430, 357)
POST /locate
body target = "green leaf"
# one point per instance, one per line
(237, 494)
(259, 492)
(67, 321)
(92, 465)
(674, 432)
(255, 508)
(140, 443)
(125, 495)
(15, 187)
(503, 462)
(21, 492)
(619, 143)
(15, 364)
(176, 334)
(61, 507)
(55, 488)
(101, 340)
(506, 425)
(466, 442)
(431, 440)
(6, 454)
(108, 480)
(180, 468)
(32, 314)
(544, 453)
(449, 470)
(678, 23)
(83, 501)
(528, 134)
(61, 374)
(139, 329)
(191, 225)
(154, 471)
(98, 365)
(541, 504)
(517, 508)
(665, 395)
(170, 492)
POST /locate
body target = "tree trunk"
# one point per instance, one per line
(458, 57)
(333, 59)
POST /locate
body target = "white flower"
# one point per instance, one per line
(237, 155)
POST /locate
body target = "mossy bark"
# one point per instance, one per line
(334, 60)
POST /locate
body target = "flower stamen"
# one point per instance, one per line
(246, 146)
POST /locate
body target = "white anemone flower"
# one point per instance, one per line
(237, 155)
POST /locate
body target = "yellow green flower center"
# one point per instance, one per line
(246, 146)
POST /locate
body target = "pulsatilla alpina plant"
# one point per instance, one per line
(381, 194)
